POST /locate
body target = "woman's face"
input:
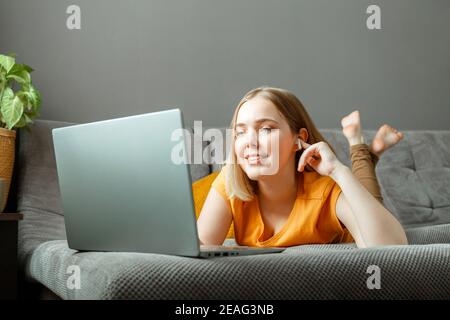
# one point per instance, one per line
(264, 142)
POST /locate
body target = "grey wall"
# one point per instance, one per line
(139, 56)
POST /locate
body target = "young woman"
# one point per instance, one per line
(311, 197)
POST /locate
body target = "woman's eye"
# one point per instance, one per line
(239, 133)
(266, 130)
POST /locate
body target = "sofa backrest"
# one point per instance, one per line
(37, 181)
(414, 175)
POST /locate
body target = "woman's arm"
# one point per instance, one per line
(368, 221)
(214, 220)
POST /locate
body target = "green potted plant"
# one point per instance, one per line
(19, 105)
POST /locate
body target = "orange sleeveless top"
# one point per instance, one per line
(312, 219)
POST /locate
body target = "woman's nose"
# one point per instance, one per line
(252, 138)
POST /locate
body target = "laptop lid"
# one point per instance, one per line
(120, 189)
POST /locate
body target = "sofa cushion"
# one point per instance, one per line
(109, 275)
(303, 272)
(38, 227)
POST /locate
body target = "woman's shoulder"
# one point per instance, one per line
(316, 186)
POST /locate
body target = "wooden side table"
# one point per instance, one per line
(9, 223)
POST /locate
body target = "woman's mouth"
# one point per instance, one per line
(255, 159)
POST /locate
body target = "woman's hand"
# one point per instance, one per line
(319, 157)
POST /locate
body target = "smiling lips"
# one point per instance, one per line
(254, 158)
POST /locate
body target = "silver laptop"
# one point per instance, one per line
(121, 191)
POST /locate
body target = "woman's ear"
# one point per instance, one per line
(303, 133)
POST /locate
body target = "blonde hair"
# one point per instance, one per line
(237, 183)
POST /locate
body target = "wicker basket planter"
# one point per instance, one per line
(7, 154)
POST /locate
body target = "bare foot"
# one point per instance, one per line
(385, 138)
(351, 127)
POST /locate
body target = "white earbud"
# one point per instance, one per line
(299, 143)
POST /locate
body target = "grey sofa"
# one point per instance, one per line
(415, 179)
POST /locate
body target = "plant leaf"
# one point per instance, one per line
(22, 78)
(30, 97)
(11, 108)
(7, 62)
(19, 73)
(27, 68)
(24, 121)
(35, 96)
(23, 96)
(2, 80)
